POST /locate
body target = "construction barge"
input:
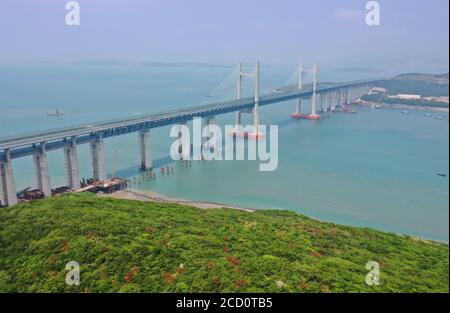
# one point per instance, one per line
(106, 186)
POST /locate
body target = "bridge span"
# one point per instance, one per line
(37, 144)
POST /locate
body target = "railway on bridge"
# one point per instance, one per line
(39, 143)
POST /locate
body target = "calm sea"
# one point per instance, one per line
(376, 168)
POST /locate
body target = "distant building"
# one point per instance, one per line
(407, 97)
(377, 90)
(443, 99)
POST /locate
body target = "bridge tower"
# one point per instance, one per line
(237, 122)
(8, 194)
(298, 106)
(313, 115)
(238, 130)
(256, 134)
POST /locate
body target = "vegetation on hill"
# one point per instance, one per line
(130, 246)
(426, 85)
(435, 78)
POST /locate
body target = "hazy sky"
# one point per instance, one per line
(412, 33)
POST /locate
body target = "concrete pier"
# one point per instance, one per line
(145, 150)
(8, 194)
(41, 170)
(183, 149)
(98, 159)
(207, 121)
(71, 165)
(298, 107)
(238, 120)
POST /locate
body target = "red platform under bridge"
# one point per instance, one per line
(305, 116)
(247, 135)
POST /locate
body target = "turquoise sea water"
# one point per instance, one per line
(376, 168)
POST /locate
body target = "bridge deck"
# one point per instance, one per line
(22, 145)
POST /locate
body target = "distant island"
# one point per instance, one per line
(412, 89)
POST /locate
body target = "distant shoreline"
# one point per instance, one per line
(404, 106)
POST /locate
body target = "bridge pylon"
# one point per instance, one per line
(238, 130)
(256, 134)
(298, 114)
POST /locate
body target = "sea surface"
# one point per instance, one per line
(376, 168)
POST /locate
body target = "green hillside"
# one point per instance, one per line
(434, 85)
(130, 246)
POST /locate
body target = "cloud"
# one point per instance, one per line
(349, 15)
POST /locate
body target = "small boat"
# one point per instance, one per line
(428, 115)
(405, 112)
(58, 113)
(441, 174)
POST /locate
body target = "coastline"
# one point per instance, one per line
(151, 196)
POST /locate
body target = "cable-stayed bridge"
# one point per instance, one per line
(239, 92)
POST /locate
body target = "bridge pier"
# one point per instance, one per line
(322, 100)
(98, 159)
(298, 107)
(185, 151)
(145, 150)
(71, 165)
(328, 104)
(8, 194)
(41, 170)
(238, 120)
(333, 100)
(206, 122)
